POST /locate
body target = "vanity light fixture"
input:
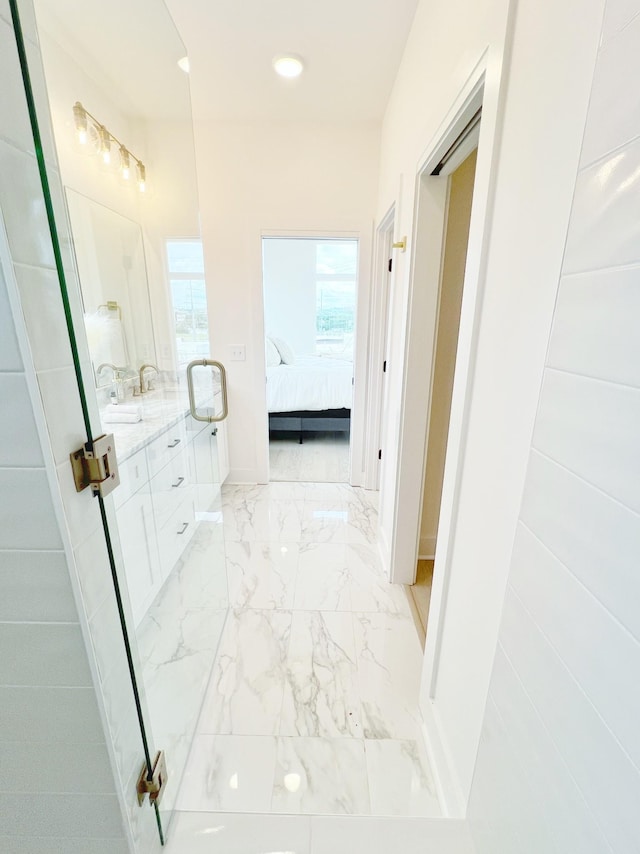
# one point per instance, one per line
(105, 144)
(288, 65)
(125, 163)
(88, 126)
(142, 176)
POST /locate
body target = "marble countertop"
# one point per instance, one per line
(161, 408)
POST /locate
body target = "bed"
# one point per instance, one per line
(312, 395)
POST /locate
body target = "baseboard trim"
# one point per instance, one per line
(445, 778)
(384, 552)
(427, 548)
(245, 476)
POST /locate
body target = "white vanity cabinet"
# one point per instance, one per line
(163, 487)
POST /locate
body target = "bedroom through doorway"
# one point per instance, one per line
(310, 292)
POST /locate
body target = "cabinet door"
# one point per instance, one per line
(205, 470)
(140, 551)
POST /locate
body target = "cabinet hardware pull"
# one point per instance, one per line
(185, 525)
(174, 443)
(178, 482)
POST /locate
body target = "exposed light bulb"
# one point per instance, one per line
(105, 144)
(80, 119)
(142, 176)
(288, 65)
(184, 64)
(125, 163)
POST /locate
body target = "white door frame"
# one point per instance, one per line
(357, 436)
(379, 319)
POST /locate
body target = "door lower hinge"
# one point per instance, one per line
(154, 787)
(95, 465)
(380, 454)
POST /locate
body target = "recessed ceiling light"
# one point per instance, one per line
(184, 64)
(288, 65)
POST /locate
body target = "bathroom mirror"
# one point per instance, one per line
(115, 294)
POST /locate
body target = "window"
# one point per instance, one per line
(188, 299)
(336, 270)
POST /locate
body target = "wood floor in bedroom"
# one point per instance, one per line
(322, 458)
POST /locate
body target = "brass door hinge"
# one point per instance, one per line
(155, 787)
(95, 465)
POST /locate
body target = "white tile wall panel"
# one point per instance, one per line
(44, 317)
(65, 425)
(595, 327)
(618, 15)
(556, 801)
(19, 442)
(10, 359)
(77, 768)
(598, 651)
(27, 518)
(604, 229)
(43, 654)
(608, 780)
(47, 845)
(613, 120)
(50, 715)
(12, 102)
(64, 815)
(596, 537)
(25, 218)
(35, 587)
(591, 427)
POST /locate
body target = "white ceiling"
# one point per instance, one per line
(352, 49)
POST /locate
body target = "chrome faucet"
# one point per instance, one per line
(143, 368)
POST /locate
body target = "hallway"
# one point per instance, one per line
(312, 706)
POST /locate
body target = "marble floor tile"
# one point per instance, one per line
(321, 695)
(245, 693)
(400, 779)
(322, 457)
(321, 775)
(369, 589)
(389, 666)
(323, 578)
(249, 519)
(229, 773)
(262, 575)
(325, 522)
(238, 833)
(373, 835)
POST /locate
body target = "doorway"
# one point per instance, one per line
(310, 316)
(454, 256)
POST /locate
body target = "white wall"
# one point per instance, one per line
(289, 277)
(318, 180)
(559, 760)
(516, 263)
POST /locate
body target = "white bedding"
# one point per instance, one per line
(314, 382)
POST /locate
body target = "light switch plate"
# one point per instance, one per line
(238, 353)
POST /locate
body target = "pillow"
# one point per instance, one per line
(272, 354)
(286, 351)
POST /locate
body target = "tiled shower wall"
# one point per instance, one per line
(559, 762)
(69, 740)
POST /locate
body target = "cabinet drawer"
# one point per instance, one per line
(166, 447)
(134, 473)
(170, 486)
(176, 534)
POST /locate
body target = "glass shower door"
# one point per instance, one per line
(114, 145)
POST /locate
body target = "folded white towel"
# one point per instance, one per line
(129, 408)
(121, 417)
